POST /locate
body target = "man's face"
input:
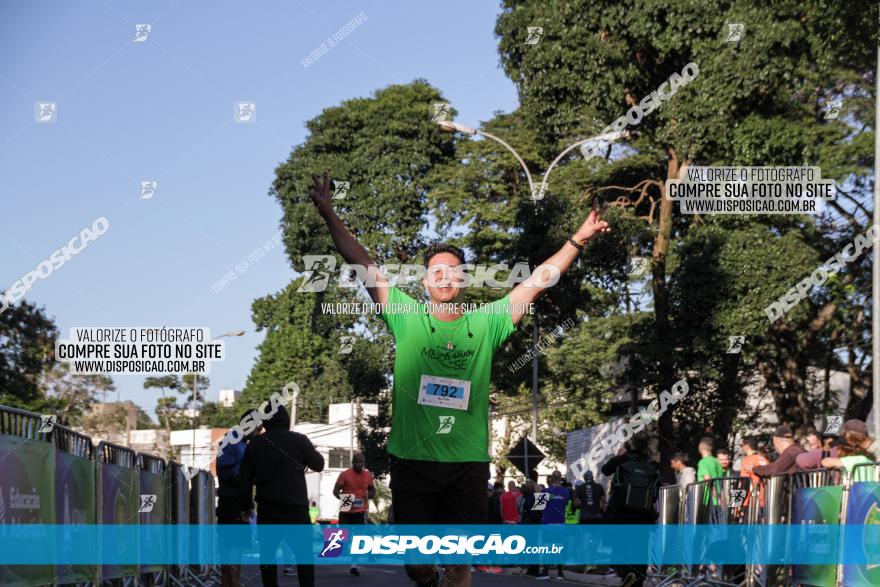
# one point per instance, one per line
(442, 275)
(357, 463)
(747, 450)
(724, 459)
(676, 465)
(780, 443)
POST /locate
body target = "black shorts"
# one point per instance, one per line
(427, 492)
(346, 518)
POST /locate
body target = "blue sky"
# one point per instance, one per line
(162, 110)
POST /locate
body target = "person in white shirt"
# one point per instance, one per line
(684, 475)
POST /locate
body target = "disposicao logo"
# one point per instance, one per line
(472, 545)
(334, 540)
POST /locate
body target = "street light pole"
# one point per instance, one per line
(449, 126)
(875, 317)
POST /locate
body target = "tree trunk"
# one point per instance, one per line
(662, 327)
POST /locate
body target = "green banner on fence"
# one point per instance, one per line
(119, 501)
(27, 496)
(74, 504)
(154, 488)
(817, 505)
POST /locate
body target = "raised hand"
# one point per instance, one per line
(321, 193)
(592, 226)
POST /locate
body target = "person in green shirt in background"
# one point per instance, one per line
(571, 513)
(709, 467)
(314, 512)
(439, 438)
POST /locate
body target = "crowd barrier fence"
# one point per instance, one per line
(821, 497)
(59, 477)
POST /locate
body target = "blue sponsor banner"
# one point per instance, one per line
(479, 544)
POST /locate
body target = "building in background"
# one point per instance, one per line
(228, 397)
(153, 441)
(197, 448)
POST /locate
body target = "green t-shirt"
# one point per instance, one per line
(862, 473)
(438, 433)
(710, 466)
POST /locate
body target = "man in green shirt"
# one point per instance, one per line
(439, 439)
(708, 468)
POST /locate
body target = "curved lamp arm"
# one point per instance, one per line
(611, 136)
(449, 126)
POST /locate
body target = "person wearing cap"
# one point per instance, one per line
(850, 454)
(871, 445)
(786, 449)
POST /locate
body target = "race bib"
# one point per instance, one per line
(444, 392)
(346, 502)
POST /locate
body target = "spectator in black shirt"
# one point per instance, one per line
(589, 498)
(275, 462)
(635, 454)
(495, 516)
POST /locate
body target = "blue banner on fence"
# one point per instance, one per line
(863, 508)
(480, 544)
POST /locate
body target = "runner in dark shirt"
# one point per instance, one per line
(589, 498)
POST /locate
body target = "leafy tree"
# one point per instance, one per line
(70, 397)
(216, 415)
(166, 406)
(144, 422)
(195, 386)
(756, 102)
(27, 346)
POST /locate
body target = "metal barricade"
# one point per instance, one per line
(816, 499)
(20, 423)
(78, 483)
(719, 502)
(201, 512)
(75, 496)
(774, 495)
(118, 502)
(861, 504)
(178, 510)
(154, 497)
(669, 505)
(27, 469)
(669, 514)
(865, 473)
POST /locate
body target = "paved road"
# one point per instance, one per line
(383, 576)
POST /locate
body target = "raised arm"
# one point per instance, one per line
(346, 244)
(549, 272)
